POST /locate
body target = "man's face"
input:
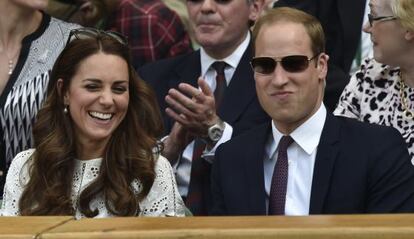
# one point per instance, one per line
(221, 25)
(290, 98)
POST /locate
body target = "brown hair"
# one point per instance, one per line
(287, 14)
(129, 154)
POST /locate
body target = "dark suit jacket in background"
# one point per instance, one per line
(240, 107)
(359, 168)
(342, 23)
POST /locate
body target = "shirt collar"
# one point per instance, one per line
(232, 60)
(307, 135)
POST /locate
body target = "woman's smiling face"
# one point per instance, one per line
(98, 97)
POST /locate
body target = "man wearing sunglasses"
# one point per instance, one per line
(207, 96)
(306, 161)
(342, 22)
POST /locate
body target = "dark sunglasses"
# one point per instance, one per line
(88, 33)
(372, 19)
(293, 64)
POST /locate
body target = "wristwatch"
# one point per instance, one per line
(215, 132)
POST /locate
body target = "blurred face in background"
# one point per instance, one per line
(31, 4)
(221, 25)
(87, 13)
(387, 34)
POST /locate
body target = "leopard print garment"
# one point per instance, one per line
(373, 95)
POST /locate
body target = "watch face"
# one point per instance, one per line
(215, 133)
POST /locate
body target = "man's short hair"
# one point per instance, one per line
(286, 14)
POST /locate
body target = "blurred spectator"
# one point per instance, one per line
(30, 42)
(180, 8)
(153, 30)
(382, 92)
(207, 96)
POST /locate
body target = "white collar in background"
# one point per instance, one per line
(233, 59)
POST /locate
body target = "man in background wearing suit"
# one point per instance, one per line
(306, 161)
(209, 95)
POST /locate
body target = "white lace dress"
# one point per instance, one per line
(162, 200)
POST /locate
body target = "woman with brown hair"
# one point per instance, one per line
(96, 153)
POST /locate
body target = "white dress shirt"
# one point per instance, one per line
(301, 160)
(183, 165)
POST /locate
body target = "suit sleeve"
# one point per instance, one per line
(391, 181)
(218, 205)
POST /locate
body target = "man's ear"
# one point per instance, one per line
(59, 86)
(256, 9)
(409, 35)
(323, 65)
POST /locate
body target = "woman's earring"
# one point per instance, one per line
(65, 109)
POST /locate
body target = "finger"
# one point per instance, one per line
(181, 99)
(177, 117)
(199, 97)
(189, 124)
(189, 90)
(178, 107)
(205, 88)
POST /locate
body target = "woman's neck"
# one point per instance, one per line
(15, 24)
(86, 149)
(408, 76)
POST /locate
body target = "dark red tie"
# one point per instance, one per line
(220, 80)
(277, 197)
(200, 169)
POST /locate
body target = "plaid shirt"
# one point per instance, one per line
(153, 30)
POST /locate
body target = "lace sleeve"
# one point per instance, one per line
(16, 179)
(163, 198)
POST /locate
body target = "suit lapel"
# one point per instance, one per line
(324, 163)
(253, 165)
(240, 91)
(188, 71)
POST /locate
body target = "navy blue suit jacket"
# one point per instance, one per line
(359, 168)
(240, 107)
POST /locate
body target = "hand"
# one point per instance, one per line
(194, 109)
(176, 142)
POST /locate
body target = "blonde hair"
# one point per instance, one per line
(404, 11)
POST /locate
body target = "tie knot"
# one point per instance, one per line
(285, 142)
(219, 66)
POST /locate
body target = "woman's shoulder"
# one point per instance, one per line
(163, 167)
(19, 168)
(21, 158)
(372, 68)
(63, 24)
(161, 161)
